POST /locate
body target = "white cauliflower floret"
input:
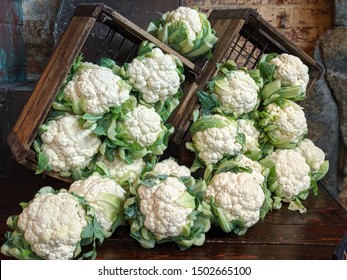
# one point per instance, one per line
(190, 17)
(164, 217)
(252, 134)
(290, 70)
(238, 195)
(155, 76)
(144, 125)
(292, 172)
(237, 93)
(256, 167)
(67, 145)
(102, 194)
(212, 144)
(52, 225)
(314, 156)
(122, 171)
(96, 89)
(171, 168)
(290, 123)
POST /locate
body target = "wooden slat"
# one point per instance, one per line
(39, 104)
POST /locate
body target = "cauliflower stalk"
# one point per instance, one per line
(164, 208)
(65, 147)
(290, 178)
(157, 77)
(138, 133)
(214, 137)
(105, 196)
(185, 30)
(285, 76)
(54, 225)
(237, 194)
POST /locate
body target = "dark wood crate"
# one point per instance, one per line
(244, 36)
(96, 31)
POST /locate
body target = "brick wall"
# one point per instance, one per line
(305, 20)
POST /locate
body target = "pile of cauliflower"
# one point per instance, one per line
(107, 130)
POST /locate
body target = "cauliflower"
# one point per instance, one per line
(285, 123)
(143, 125)
(166, 210)
(105, 196)
(252, 148)
(50, 226)
(66, 145)
(289, 179)
(290, 70)
(157, 76)
(171, 168)
(160, 204)
(236, 92)
(213, 137)
(185, 30)
(315, 158)
(256, 168)
(122, 172)
(95, 89)
(236, 200)
(136, 134)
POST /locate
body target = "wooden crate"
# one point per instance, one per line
(96, 31)
(243, 36)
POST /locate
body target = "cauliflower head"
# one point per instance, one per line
(157, 76)
(315, 158)
(314, 155)
(237, 92)
(122, 172)
(255, 166)
(105, 196)
(144, 125)
(170, 167)
(286, 125)
(214, 137)
(53, 224)
(236, 200)
(292, 175)
(189, 17)
(290, 70)
(252, 148)
(165, 216)
(185, 30)
(95, 89)
(67, 145)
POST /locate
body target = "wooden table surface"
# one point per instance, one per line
(282, 235)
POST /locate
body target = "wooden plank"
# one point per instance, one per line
(39, 104)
